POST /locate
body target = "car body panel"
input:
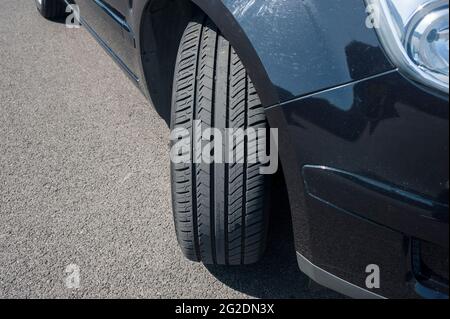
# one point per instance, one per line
(366, 165)
(307, 46)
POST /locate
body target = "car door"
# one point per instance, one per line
(108, 20)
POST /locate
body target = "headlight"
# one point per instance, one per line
(414, 34)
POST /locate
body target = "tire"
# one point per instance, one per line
(51, 9)
(219, 209)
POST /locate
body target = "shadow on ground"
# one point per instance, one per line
(277, 275)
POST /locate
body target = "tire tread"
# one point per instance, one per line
(218, 208)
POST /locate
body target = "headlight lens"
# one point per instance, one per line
(415, 35)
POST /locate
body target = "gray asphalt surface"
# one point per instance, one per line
(84, 179)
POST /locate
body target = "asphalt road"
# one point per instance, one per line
(84, 180)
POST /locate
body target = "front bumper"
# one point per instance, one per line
(366, 165)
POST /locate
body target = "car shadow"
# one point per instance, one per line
(277, 275)
(61, 20)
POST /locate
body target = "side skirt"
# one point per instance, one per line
(108, 50)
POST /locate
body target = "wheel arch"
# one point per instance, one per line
(162, 24)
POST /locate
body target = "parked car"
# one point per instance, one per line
(358, 91)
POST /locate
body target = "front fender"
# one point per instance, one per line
(304, 46)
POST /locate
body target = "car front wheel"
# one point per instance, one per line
(219, 208)
(51, 9)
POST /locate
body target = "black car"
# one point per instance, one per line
(358, 92)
